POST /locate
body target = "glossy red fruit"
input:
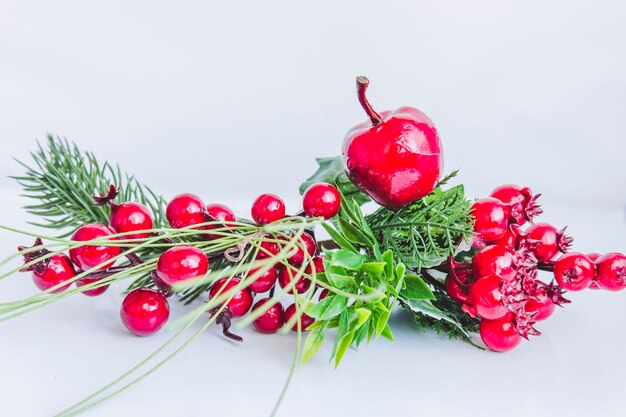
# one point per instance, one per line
(93, 292)
(612, 271)
(540, 304)
(508, 193)
(268, 249)
(264, 282)
(316, 266)
(307, 243)
(130, 217)
(240, 303)
(494, 260)
(287, 275)
(500, 334)
(58, 270)
(547, 241)
(486, 297)
(321, 200)
(267, 208)
(491, 218)
(89, 256)
(305, 321)
(181, 263)
(574, 271)
(270, 321)
(220, 213)
(455, 291)
(144, 311)
(185, 210)
(323, 294)
(396, 156)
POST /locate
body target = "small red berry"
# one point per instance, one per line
(547, 241)
(240, 302)
(268, 208)
(305, 321)
(522, 203)
(486, 297)
(185, 210)
(574, 271)
(181, 263)
(307, 243)
(144, 311)
(316, 266)
(89, 256)
(264, 282)
(58, 270)
(455, 291)
(540, 304)
(321, 200)
(323, 294)
(500, 334)
(270, 321)
(508, 193)
(612, 271)
(93, 292)
(219, 213)
(494, 260)
(130, 217)
(285, 278)
(268, 249)
(491, 218)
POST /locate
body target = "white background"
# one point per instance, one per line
(232, 99)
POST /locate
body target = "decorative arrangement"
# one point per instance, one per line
(399, 234)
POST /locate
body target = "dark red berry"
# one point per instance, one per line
(131, 217)
(491, 218)
(612, 271)
(267, 208)
(574, 271)
(144, 311)
(181, 263)
(455, 291)
(270, 321)
(540, 304)
(486, 297)
(305, 321)
(219, 213)
(268, 249)
(89, 256)
(321, 200)
(93, 292)
(58, 270)
(508, 193)
(240, 303)
(264, 282)
(185, 210)
(494, 260)
(323, 294)
(500, 334)
(286, 276)
(306, 242)
(546, 241)
(316, 266)
(523, 204)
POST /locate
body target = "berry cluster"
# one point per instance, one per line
(501, 284)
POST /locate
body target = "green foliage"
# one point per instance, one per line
(331, 170)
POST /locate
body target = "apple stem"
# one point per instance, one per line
(361, 87)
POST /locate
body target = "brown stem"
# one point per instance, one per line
(361, 87)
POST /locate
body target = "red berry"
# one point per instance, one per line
(547, 241)
(500, 334)
(491, 218)
(285, 278)
(93, 292)
(486, 297)
(508, 193)
(305, 321)
(220, 213)
(540, 304)
(181, 263)
(144, 311)
(268, 208)
(494, 260)
(612, 271)
(574, 271)
(321, 200)
(307, 243)
(130, 217)
(268, 249)
(455, 291)
(270, 321)
(523, 205)
(58, 270)
(264, 282)
(323, 294)
(316, 265)
(89, 256)
(185, 210)
(240, 303)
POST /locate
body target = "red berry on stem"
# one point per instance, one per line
(130, 217)
(58, 270)
(323, 294)
(486, 297)
(181, 263)
(321, 200)
(612, 271)
(491, 218)
(268, 249)
(500, 334)
(267, 208)
(306, 242)
(523, 205)
(286, 276)
(547, 241)
(89, 256)
(93, 292)
(316, 266)
(220, 213)
(494, 260)
(574, 271)
(540, 304)
(396, 156)
(240, 302)
(264, 282)
(144, 311)
(270, 321)
(508, 193)
(185, 210)
(455, 291)
(305, 321)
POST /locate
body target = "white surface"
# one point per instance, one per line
(56, 356)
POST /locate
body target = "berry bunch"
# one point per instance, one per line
(501, 283)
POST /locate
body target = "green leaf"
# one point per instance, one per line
(342, 282)
(381, 322)
(339, 238)
(329, 307)
(374, 268)
(386, 333)
(347, 259)
(328, 171)
(416, 289)
(352, 233)
(388, 260)
(312, 343)
(427, 308)
(363, 315)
